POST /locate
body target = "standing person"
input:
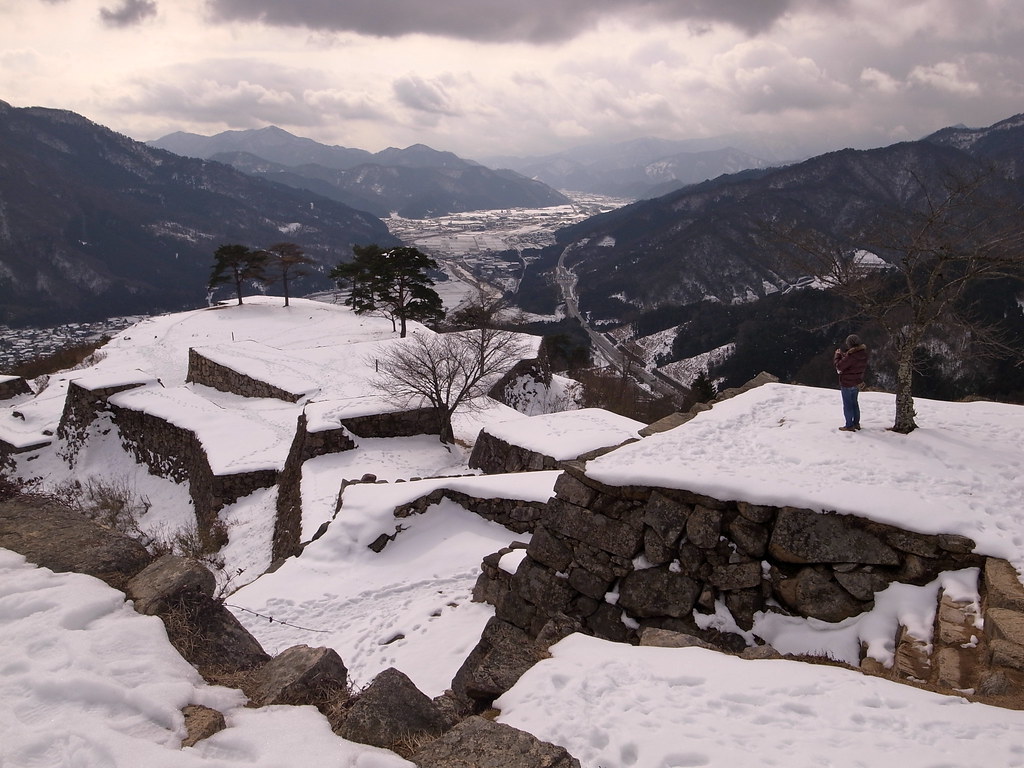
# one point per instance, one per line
(851, 363)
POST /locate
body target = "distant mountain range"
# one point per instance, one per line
(415, 182)
(698, 259)
(644, 168)
(704, 241)
(93, 224)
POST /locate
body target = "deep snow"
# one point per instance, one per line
(87, 682)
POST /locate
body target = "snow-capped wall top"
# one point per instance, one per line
(778, 444)
(568, 434)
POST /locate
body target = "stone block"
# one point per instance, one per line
(571, 489)
(911, 659)
(955, 544)
(658, 592)
(862, 584)
(656, 637)
(811, 592)
(1002, 585)
(1005, 624)
(736, 576)
(503, 653)
(613, 536)
(587, 583)
(704, 527)
(549, 550)
(750, 538)
(606, 622)
(806, 536)
(956, 622)
(756, 513)
(1006, 654)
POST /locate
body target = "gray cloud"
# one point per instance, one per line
(128, 13)
(537, 21)
(423, 95)
(245, 93)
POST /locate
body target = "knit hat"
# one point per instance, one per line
(853, 340)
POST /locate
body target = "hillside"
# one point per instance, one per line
(93, 224)
(407, 604)
(414, 182)
(703, 259)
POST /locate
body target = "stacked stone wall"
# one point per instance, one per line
(13, 387)
(172, 452)
(516, 515)
(493, 455)
(622, 559)
(305, 445)
(418, 421)
(81, 407)
(202, 370)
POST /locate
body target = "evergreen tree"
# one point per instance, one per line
(288, 261)
(392, 283)
(235, 264)
(703, 388)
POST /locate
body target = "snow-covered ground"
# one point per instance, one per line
(84, 681)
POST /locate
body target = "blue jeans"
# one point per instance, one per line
(851, 409)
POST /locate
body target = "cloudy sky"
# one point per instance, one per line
(486, 77)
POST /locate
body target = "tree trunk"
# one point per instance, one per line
(905, 413)
(446, 430)
(402, 318)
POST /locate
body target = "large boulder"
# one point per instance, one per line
(501, 657)
(481, 743)
(301, 675)
(392, 710)
(49, 534)
(168, 580)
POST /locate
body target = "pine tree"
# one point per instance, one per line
(235, 264)
(392, 283)
(288, 261)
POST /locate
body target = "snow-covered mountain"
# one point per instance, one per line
(414, 182)
(95, 225)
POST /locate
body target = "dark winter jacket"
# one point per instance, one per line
(851, 364)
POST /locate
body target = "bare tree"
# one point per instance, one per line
(447, 370)
(936, 251)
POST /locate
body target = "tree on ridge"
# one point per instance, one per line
(287, 260)
(235, 263)
(392, 283)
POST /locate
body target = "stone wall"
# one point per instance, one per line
(516, 515)
(11, 387)
(202, 370)
(417, 421)
(620, 559)
(81, 407)
(305, 445)
(493, 455)
(172, 452)
(626, 563)
(165, 449)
